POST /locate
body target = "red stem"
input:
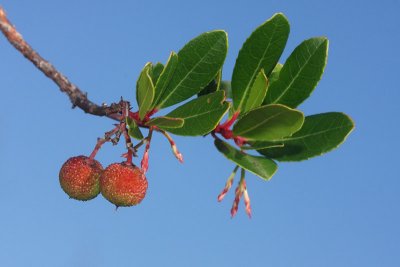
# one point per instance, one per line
(227, 133)
(101, 141)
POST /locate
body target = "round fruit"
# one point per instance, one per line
(123, 184)
(80, 177)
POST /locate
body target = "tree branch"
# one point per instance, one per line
(76, 96)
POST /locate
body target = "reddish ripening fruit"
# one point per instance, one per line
(123, 184)
(80, 177)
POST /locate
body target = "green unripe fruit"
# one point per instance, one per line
(80, 178)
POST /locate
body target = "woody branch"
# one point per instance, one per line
(76, 96)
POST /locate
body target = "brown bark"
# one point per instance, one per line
(76, 96)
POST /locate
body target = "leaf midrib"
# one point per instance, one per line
(262, 93)
(261, 123)
(313, 134)
(298, 73)
(257, 69)
(149, 93)
(201, 114)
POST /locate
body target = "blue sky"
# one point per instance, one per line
(337, 210)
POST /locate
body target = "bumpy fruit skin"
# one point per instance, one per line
(80, 177)
(123, 184)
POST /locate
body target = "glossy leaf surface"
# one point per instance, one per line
(165, 77)
(166, 122)
(320, 133)
(255, 96)
(260, 166)
(269, 123)
(261, 50)
(261, 145)
(156, 71)
(300, 74)
(199, 62)
(201, 115)
(145, 91)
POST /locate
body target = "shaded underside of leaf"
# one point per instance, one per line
(200, 115)
(320, 133)
(199, 62)
(300, 74)
(212, 86)
(260, 166)
(261, 50)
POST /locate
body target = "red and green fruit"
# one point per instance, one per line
(80, 178)
(123, 184)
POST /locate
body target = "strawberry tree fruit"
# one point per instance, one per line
(80, 178)
(123, 184)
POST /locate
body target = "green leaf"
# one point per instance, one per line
(145, 91)
(261, 50)
(255, 96)
(199, 62)
(156, 71)
(133, 129)
(261, 145)
(201, 115)
(165, 77)
(260, 166)
(166, 122)
(212, 86)
(300, 74)
(320, 133)
(269, 123)
(274, 76)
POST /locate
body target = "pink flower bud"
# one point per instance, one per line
(145, 161)
(235, 205)
(177, 154)
(247, 202)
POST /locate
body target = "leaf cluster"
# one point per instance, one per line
(263, 93)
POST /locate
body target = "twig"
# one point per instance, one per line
(102, 141)
(76, 96)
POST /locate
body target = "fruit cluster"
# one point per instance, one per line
(123, 184)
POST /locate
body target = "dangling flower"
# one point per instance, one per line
(228, 184)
